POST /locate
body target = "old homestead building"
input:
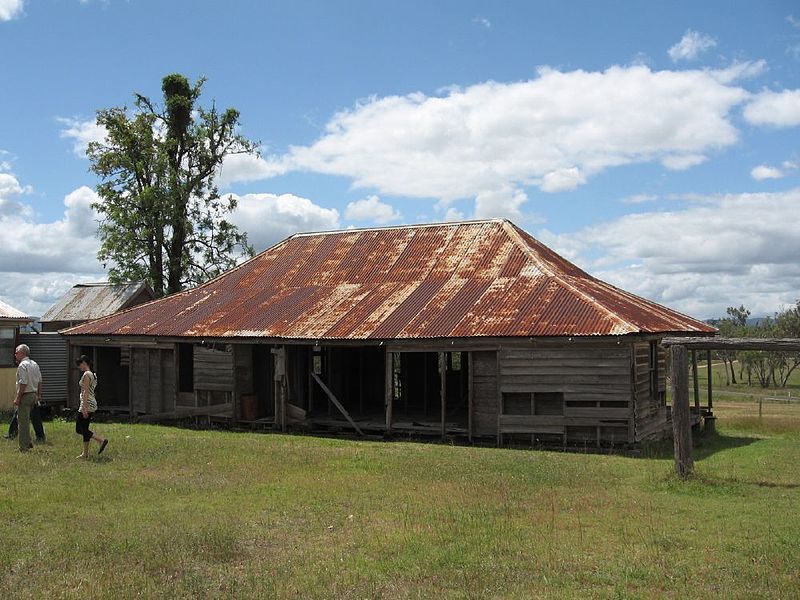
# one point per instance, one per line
(470, 329)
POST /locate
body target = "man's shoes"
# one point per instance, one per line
(103, 446)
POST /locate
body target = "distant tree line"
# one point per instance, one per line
(769, 369)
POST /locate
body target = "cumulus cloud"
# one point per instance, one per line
(691, 45)
(10, 9)
(40, 261)
(779, 109)
(482, 21)
(81, 133)
(728, 250)
(762, 172)
(490, 140)
(372, 210)
(269, 218)
(246, 167)
(10, 190)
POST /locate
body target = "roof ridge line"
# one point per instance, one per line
(390, 227)
(563, 279)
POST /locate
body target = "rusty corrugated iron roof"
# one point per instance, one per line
(87, 301)
(453, 280)
(9, 313)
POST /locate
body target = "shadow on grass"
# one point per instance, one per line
(703, 445)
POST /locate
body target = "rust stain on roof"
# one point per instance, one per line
(471, 279)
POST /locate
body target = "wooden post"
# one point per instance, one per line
(681, 430)
(361, 381)
(708, 367)
(443, 387)
(425, 384)
(696, 382)
(469, 394)
(389, 389)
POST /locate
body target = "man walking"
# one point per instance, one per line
(29, 392)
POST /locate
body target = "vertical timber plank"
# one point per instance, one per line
(681, 430)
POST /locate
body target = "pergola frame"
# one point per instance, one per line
(681, 427)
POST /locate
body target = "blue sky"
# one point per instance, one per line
(652, 143)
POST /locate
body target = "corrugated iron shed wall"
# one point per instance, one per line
(51, 353)
(473, 279)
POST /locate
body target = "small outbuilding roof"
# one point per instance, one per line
(9, 313)
(452, 280)
(87, 301)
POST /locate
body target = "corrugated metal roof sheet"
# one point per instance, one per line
(472, 279)
(87, 301)
(8, 312)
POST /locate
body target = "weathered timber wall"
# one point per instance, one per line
(213, 370)
(650, 412)
(153, 384)
(596, 387)
(484, 393)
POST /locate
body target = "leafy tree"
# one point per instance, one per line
(787, 325)
(162, 217)
(734, 325)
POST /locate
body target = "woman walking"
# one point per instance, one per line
(87, 384)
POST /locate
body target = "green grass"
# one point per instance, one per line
(181, 513)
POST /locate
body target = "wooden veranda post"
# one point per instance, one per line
(443, 388)
(389, 389)
(681, 429)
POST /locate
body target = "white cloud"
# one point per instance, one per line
(692, 44)
(731, 249)
(562, 180)
(490, 140)
(10, 9)
(372, 210)
(780, 109)
(269, 218)
(483, 21)
(639, 199)
(10, 189)
(246, 167)
(762, 172)
(682, 162)
(81, 133)
(739, 70)
(40, 261)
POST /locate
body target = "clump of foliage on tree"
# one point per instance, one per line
(163, 219)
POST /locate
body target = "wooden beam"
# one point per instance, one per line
(717, 343)
(336, 403)
(681, 429)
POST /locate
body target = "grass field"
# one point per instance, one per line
(181, 513)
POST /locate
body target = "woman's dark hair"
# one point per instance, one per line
(85, 359)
